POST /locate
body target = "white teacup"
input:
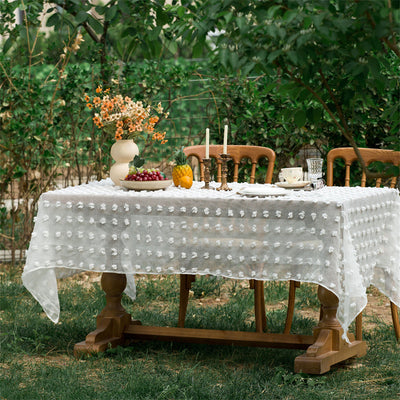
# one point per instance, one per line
(292, 175)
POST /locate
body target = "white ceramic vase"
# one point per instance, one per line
(122, 151)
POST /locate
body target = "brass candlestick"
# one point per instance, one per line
(207, 177)
(224, 158)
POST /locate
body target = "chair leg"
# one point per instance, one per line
(259, 305)
(395, 318)
(293, 285)
(185, 286)
(359, 326)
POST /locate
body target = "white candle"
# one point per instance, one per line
(207, 143)
(225, 149)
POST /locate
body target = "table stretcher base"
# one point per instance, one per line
(325, 347)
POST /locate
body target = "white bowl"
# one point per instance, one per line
(146, 185)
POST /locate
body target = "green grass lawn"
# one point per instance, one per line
(37, 362)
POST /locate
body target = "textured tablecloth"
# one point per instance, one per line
(344, 239)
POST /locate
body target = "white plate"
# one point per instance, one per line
(258, 191)
(287, 185)
(146, 185)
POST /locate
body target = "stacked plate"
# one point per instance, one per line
(262, 191)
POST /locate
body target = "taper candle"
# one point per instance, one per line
(225, 148)
(207, 143)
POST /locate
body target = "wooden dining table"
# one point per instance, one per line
(342, 239)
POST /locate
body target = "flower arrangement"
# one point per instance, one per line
(123, 117)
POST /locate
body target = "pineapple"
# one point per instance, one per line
(182, 168)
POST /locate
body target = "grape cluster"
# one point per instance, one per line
(141, 174)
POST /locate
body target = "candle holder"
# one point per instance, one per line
(207, 177)
(224, 158)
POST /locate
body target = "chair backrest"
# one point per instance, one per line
(237, 153)
(369, 156)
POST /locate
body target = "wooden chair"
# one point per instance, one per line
(349, 156)
(237, 152)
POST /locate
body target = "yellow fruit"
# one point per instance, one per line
(181, 168)
(186, 182)
(181, 171)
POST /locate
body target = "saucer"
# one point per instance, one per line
(294, 185)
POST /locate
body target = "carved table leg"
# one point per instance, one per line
(329, 348)
(112, 320)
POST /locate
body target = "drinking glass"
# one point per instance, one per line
(314, 166)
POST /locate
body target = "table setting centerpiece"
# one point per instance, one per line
(140, 178)
(128, 121)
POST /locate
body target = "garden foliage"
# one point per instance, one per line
(282, 74)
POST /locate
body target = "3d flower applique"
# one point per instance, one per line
(313, 216)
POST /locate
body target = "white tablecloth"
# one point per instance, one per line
(344, 239)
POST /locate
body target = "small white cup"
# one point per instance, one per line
(292, 175)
